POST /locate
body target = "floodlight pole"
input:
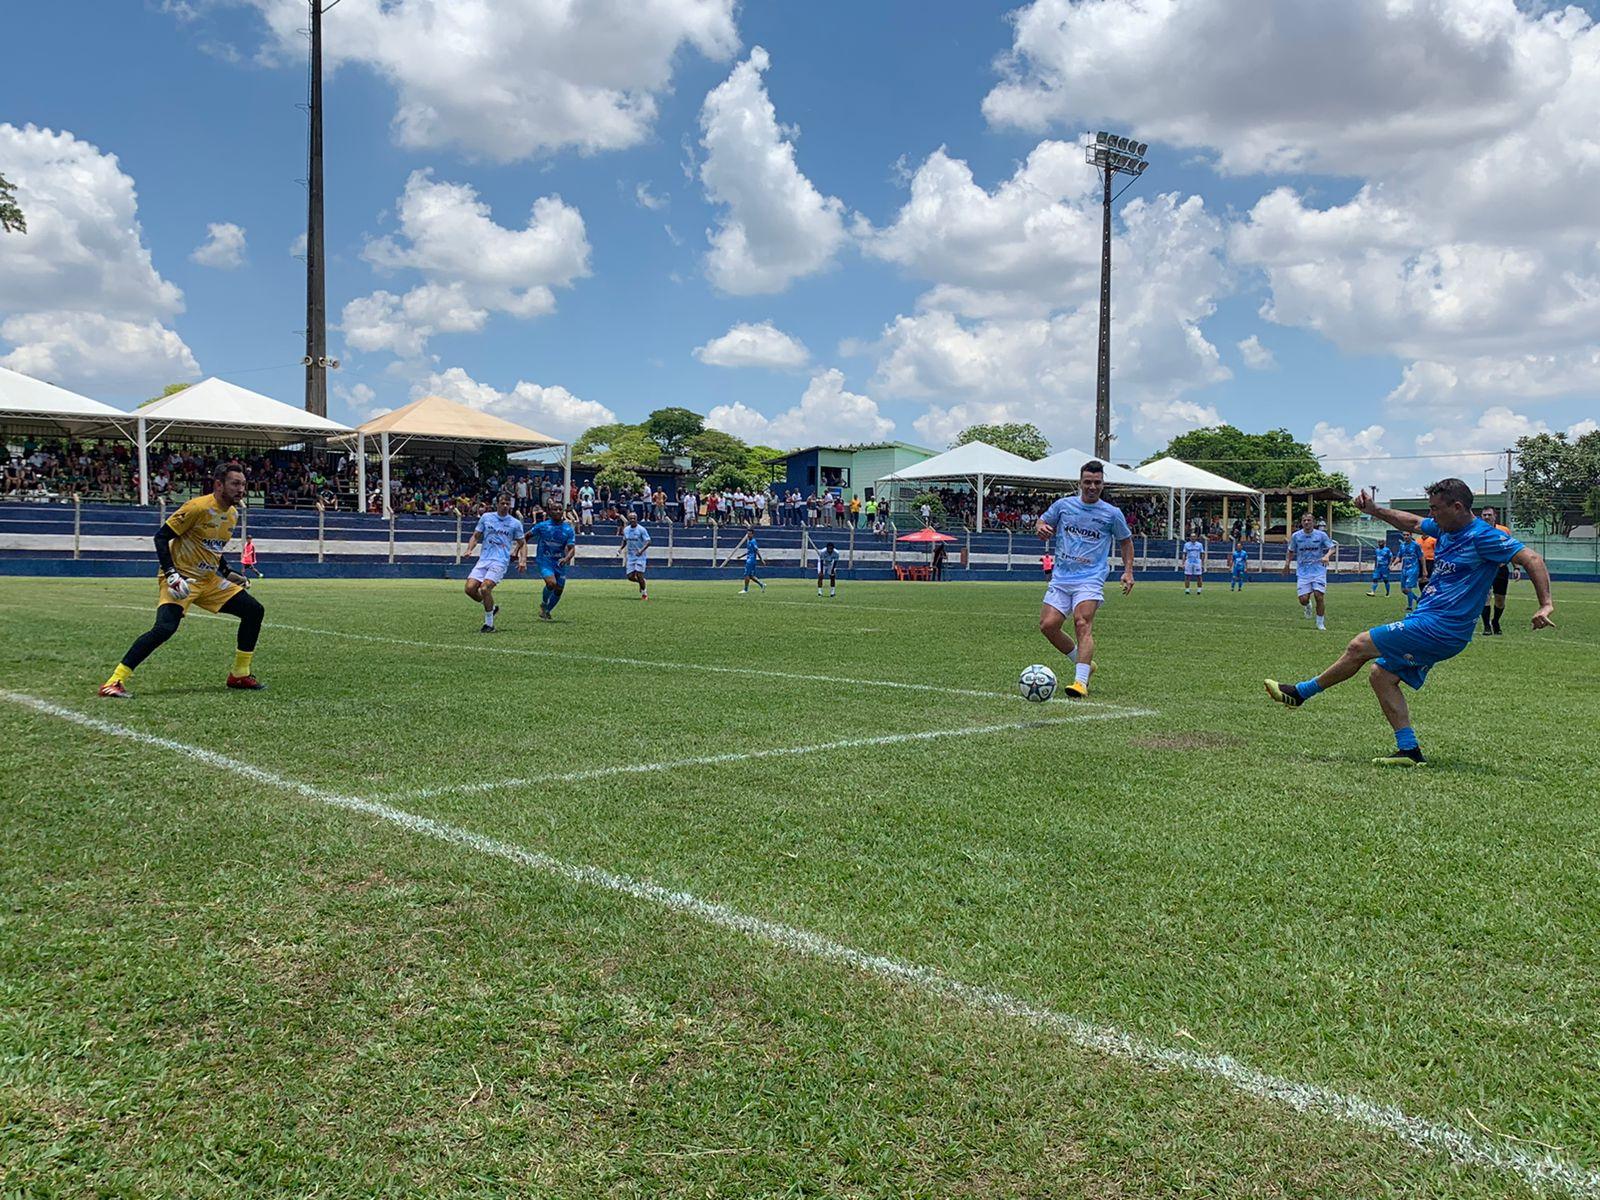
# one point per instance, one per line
(1102, 391)
(316, 358)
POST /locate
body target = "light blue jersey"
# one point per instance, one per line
(636, 538)
(1464, 567)
(752, 554)
(1410, 557)
(497, 535)
(1309, 548)
(551, 539)
(1194, 557)
(1084, 534)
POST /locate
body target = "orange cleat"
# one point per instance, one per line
(246, 683)
(115, 691)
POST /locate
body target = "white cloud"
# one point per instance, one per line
(223, 248)
(1279, 85)
(827, 412)
(471, 266)
(1582, 428)
(645, 198)
(1007, 329)
(762, 345)
(297, 247)
(80, 298)
(508, 79)
(1256, 356)
(549, 410)
(84, 350)
(1468, 452)
(776, 227)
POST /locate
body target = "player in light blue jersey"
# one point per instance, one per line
(1470, 552)
(1381, 558)
(555, 545)
(1240, 561)
(1194, 565)
(635, 541)
(1080, 530)
(498, 538)
(1309, 552)
(828, 564)
(1410, 567)
(752, 559)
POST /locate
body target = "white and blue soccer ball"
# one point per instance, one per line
(1037, 683)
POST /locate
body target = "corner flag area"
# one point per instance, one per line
(789, 895)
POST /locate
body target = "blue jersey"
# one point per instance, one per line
(1464, 566)
(497, 535)
(637, 539)
(1241, 560)
(1309, 548)
(1411, 556)
(752, 553)
(551, 539)
(1082, 539)
(1382, 559)
(1194, 556)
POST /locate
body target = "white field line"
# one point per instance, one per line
(711, 760)
(652, 664)
(1461, 1146)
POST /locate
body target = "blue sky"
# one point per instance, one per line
(905, 230)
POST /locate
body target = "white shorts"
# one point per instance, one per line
(1192, 569)
(1065, 597)
(1307, 582)
(490, 570)
(632, 563)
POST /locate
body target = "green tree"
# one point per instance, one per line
(618, 445)
(936, 509)
(172, 389)
(1555, 480)
(598, 438)
(763, 472)
(1018, 437)
(618, 479)
(1326, 479)
(11, 218)
(711, 448)
(1259, 460)
(726, 477)
(673, 427)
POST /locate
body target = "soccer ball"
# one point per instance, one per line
(1037, 683)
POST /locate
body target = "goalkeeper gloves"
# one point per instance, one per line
(177, 585)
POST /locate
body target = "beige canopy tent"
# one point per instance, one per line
(444, 427)
(215, 409)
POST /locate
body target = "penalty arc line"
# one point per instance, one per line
(1459, 1145)
(739, 756)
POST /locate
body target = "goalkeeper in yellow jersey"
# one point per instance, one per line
(189, 547)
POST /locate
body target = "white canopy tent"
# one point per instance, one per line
(213, 408)
(1066, 465)
(32, 406)
(1186, 477)
(975, 463)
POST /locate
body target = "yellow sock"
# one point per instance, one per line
(241, 663)
(121, 675)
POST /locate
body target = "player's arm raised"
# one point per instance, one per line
(1409, 522)
(1530, 561)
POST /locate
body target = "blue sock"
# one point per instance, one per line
(1385, 587)
(555, 599)
(1308, 689)
(1405, 739)
(544, 600)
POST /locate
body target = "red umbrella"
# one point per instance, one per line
(925, 535)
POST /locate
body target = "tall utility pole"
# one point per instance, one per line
(1112, 155)
(316, 357)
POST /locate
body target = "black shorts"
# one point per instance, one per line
(1502, 581)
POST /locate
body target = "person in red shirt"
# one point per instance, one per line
(247, 559)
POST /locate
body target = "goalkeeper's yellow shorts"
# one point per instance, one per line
(210, 592)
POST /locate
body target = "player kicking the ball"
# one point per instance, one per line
(189, 548)
(1309, 552)
(635, 543)
(1469, 553)
(498, 537)
(1080, 530)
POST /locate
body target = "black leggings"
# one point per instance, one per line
(244, 606)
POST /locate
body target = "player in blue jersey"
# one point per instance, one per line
(498, 538)
(1309, 552)
(1381, 558)
(635, 542)
(752, 559)
(1240, 561)
(1080, 530)
(555, 545)
(1410, 567)
(1469, 553)
(828, 564)
(1194, 565)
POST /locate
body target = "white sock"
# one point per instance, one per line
(1081, 674)
(1320, 625)
(488, 618)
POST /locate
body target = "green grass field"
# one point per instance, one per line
(1120, 940)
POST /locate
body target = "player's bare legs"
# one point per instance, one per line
(1386, 685)
(1051, 621)
(1083, 625)
(1321, 604)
